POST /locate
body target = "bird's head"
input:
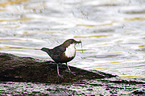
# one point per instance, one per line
(71, 41)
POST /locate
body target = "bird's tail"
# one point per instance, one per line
(45, 49)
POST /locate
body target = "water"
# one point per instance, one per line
(112, 32)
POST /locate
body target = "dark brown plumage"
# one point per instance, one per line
(63, 53)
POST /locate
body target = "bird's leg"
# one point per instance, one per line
(69, 69)
(58, 70)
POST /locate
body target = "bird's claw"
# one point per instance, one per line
(72, 72)
(61, 76)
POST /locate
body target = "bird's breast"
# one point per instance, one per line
(70, 51)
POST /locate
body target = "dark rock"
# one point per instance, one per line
(27, 69)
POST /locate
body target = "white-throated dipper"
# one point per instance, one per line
(63, 53)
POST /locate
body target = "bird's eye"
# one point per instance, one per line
(71, 42)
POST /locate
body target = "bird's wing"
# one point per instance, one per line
(57, 52)
(59, 49)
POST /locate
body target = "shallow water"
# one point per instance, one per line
(112, 32)
(91, 87)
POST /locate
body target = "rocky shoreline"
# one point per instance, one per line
(27, 69)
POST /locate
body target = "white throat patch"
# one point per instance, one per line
(70, 50)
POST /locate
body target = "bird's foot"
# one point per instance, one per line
(72, 72)
(61, 76)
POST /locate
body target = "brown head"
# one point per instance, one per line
(70, 41)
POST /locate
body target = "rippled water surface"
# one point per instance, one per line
(112, 32)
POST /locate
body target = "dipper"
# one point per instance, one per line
(63, 53)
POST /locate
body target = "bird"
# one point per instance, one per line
(63, 53)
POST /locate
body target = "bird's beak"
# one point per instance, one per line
(77, 42)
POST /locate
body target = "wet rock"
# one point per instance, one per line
(27, 69)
